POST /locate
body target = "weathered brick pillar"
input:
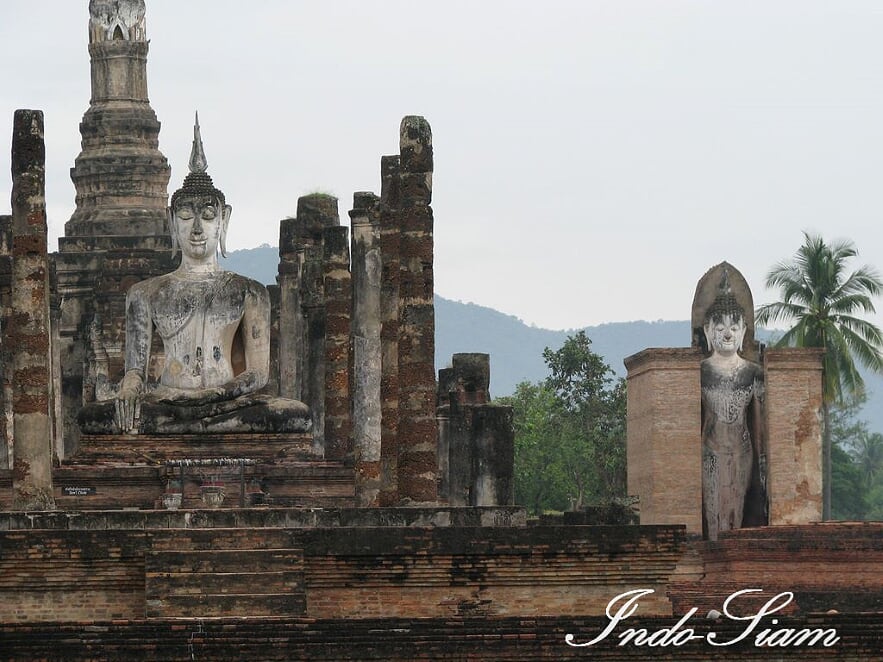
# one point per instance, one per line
(5, 354)
(664, 436)
(291, 321)
(389, 330)
(273, 381)
(446, 385)
(313, 382)
(28, 330)
(338, 305)
(366, 270)
(418, 428)
(315, 213)
(793, 403)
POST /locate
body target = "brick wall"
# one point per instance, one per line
(71, 575)
(663, 444)
(372, 572)
(348, 572)
(408, 639)
(794, 429)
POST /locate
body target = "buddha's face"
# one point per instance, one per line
(725, 335)
(200, 224)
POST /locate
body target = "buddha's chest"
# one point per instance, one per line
(197, 313)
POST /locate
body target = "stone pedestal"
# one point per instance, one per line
(132, 471)
(794, 432)
(663, 440)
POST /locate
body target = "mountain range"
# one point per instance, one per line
(516, 348)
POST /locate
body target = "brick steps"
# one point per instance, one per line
(212, 605)
(221, 538)
(223, 572)
(221, 561)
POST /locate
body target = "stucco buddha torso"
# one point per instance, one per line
(215, 331)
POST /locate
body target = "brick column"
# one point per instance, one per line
(5, 354)
(664, 436)
(28, 330)
(291, 322)
(338, 303)
(366, 271)
(315, 213)
(793, 404)
(389, 330)
(313, 380)
(418, 428)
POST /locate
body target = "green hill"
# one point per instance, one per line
(516, 348)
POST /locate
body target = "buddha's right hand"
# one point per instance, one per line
(128, 402)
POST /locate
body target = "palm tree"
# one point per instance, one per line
(868, 454)
(822, 300)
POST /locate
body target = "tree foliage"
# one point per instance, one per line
(857, 459)
(824, 301)
(570, 431)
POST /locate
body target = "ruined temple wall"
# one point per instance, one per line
(351, 572)
(793, 382)
(303, 338)
(329, 311)
(663, 436)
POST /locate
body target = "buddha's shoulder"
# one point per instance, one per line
(243, 283)
(150, 285)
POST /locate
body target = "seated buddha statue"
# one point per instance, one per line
(215, 330)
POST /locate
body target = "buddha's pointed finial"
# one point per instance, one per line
(198, 181)
(198, 162)
(724, 287)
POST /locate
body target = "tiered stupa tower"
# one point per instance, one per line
(118, 234)
(121, 177)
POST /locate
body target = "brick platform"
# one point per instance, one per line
(140, 448)
(409, 583)
(408, 639)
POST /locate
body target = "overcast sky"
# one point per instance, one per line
(592, 159)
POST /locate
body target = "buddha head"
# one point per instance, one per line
(725, 321)
(198, 213)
